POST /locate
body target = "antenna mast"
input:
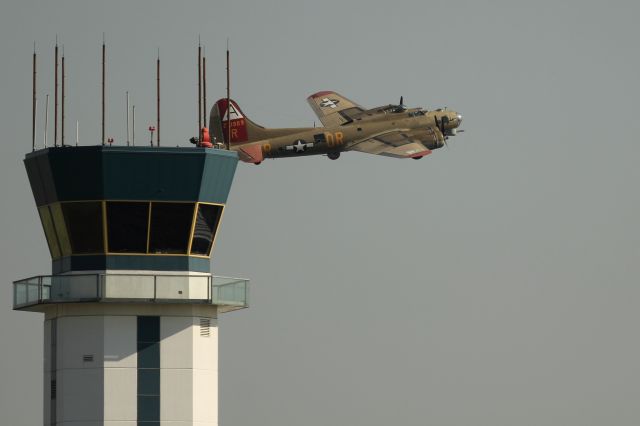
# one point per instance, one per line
(204, 89)
(127, 96)
(199, 89)
(35, 103)
(133, 125)
(158, 99)
(228, 100)
(46, 120)
(55, 108)
(62, 118)
(103, 78)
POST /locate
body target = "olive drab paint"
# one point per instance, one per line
(389, 130)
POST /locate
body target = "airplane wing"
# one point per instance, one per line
(399, 143)
(333, 109)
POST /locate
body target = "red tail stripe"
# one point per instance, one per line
(323, 93)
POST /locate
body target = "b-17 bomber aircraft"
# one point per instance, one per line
(390, 130)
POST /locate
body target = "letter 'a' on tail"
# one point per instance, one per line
(242, 131)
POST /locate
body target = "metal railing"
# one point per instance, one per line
(225, 292)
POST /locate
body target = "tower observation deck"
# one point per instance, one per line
(130, 305)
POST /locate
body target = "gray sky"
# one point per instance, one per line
(493, 283)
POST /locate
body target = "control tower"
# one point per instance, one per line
(130, 307)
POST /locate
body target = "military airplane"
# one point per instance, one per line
(390, 130)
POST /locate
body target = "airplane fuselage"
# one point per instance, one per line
(332, 140)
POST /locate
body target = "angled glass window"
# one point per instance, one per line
(170, 227)
(49, 231)
(127, 226)
(84, 226)
(204, 231)
(61, 229)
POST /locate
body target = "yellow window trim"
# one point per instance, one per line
(215, 232)
(105, 230)
(60, 226)
(49, 232)
(136, 254)
(105, 236)
(193, 226)
(149, 226)
(215, 235)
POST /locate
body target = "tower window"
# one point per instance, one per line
(207, 219)
(61, 229)
(49, 231)
(170, 227)
(84, 226)
(127, 226)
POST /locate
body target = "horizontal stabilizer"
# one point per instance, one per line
(251, 154)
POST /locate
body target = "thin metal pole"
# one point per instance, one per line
(204, 91)
(133, 125)
(228, 100)
(46, 121)
(55, 97)
(103, 83)
(199, 90)
(62, 118)
(35, 130)
(158, 106)
(127, 96)
(34, 103)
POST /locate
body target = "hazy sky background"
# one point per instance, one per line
(493, 283)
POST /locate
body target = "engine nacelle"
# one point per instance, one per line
(431, 137)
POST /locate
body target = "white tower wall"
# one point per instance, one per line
(92, 355)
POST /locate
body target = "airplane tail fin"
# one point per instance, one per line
(243, 130)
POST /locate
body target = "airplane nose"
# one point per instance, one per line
(459, 117)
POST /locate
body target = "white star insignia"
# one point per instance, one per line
(326, 102)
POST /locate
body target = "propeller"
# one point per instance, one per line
(440, 125)
(444, 121)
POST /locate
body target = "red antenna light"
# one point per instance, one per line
(152, 129)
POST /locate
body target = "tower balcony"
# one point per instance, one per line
(228, 294)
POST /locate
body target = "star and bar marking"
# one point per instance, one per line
(332, 103)
(299, 146)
